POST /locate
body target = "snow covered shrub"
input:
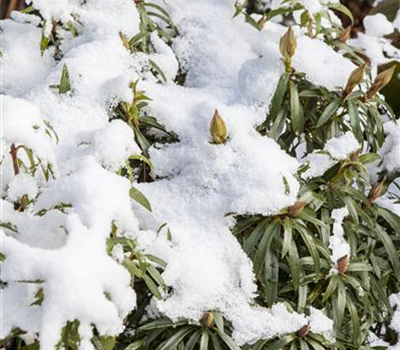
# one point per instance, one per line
(174, 178)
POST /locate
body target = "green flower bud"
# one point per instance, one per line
(287, 46)
(218, 129)
(207, 320)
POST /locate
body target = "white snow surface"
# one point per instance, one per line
(337, 242)
(197, 183)
(336, 149)
(341, 147)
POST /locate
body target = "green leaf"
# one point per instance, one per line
(251, 241)
(309, 240)
(355, 120)
(140, 198)
(219, 320)
(340, 304)
(278, 96)
(280, 343)
(261, 253)
(355, 322)
(65, 85)
(152, 286)
(216, 343)
(390, 249)
(44, 41)
(303, 345)
(328, 112)
(296, 111)
(368, 158)
(271, 276)
(159, 324)
(104, 343)
(175, 340)
(287, 237)
(341, 8)
(138, 344)
(228, 340)
(205, 336)
(157, 68)
(155, 275)
(193, 340)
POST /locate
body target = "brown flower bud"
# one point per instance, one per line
(296, 209)
(345, 35)
(376, 191)
(303, 331)
(218, 129)
(380, 82)
(343, 264)
(207, 320)
(354, 79)
(261, 22)
(287, 47)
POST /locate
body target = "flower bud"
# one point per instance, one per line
(354, 79)
(287, 46)
(261, 22)
(296, 209)
(345, 35)
(218, 129)
(207, 320)
(380, 82)
(303, 331)
(343, 264)
(376, 191)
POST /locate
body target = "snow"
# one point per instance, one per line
(337, 243)
(343, 146)
(377, 25)
(21, 185)
(318, 164)
(197, 184)
(336, 149)
(391, 148)
(321, 324)
(325, 67)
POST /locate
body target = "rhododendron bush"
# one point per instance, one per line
(198, 174)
